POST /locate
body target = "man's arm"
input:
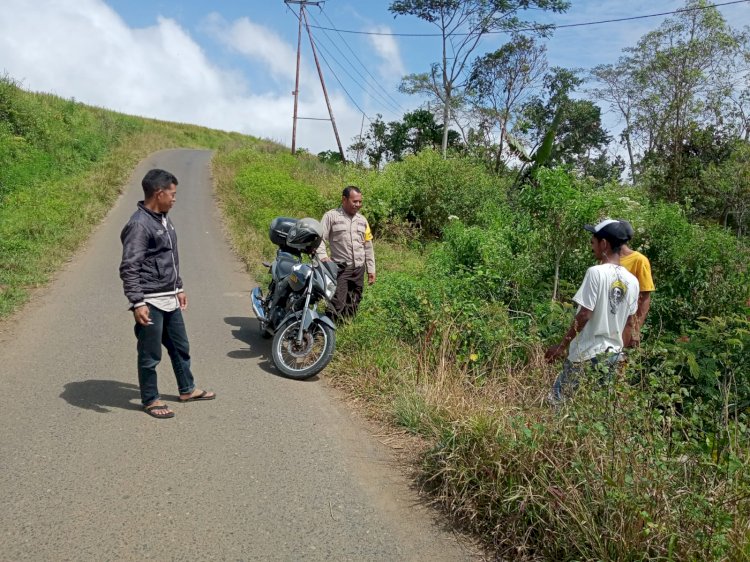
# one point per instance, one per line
(134, 245)
(325, 222)
(631, 335)
(579, 322)
(369, 255)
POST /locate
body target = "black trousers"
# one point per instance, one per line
(349, 286)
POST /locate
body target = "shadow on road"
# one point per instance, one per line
(248, 332)
(102, 395)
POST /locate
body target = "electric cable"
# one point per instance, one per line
(375, 80)
(540, 26)
(339, 81)
(374, 94)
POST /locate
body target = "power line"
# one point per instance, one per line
(375, 94)
(323, 48)
(340, 84)
(538, 27)
(375, 80)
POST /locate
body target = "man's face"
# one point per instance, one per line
(165, 199)
(353, 203)
(597, 247)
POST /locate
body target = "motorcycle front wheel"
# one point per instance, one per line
(302, 360)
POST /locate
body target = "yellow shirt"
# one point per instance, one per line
(638, 264)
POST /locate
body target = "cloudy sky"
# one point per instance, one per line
(230, 64)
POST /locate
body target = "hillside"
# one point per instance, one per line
(62, 165)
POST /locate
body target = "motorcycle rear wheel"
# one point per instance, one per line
(303, 360)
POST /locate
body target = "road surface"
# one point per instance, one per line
(272, 470)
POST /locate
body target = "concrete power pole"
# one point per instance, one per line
(303, 17)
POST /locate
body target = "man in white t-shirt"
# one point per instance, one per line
(607, 301)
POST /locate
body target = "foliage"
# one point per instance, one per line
(425, 190)
(462, 24)
(679, 79)
(727, 186)
(398, 139)
(609, 478)
(499, 84)
(565, 130)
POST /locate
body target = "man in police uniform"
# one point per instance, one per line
(350, 241)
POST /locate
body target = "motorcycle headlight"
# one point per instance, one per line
(330, 287)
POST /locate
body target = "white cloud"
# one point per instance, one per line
(255, 42)
(392, 67)
(82, 49)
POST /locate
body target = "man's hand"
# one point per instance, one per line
(142, 315)
(554, 353)
(182, 299)
(371, 278)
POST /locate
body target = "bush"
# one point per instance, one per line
(426, 189)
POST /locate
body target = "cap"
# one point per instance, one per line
(609, 228)
(628, 228)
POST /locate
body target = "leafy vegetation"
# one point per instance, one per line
(449, 342)
(476, 268)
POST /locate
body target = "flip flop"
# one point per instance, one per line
(150, 411)
(202, 396)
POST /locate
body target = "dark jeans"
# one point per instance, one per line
(168, 329)
(604, 364)
(349, 286)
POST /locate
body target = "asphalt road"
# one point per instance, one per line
(272, 470)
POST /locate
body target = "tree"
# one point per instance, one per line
(462, 24)
(375, 142)
(566, 131)
(679, 78)
(728, 184)
(394, 140)
(620, 91)
(500, 82)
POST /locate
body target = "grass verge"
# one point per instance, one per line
(630, 471)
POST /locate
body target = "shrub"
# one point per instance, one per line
(426, 189)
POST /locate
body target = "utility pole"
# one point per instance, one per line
(302, 16)
(296, 85)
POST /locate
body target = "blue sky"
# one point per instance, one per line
(229, 64)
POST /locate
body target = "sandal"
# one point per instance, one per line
(204, 395)
(154, 409)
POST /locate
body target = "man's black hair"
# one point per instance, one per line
(348, 190)
(156, 180)
(615, 243)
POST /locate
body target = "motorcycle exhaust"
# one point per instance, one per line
(257, 298)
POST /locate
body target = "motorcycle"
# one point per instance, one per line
(303, 339)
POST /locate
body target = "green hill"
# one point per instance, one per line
(62, 165)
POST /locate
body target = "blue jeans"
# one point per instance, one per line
(168, 329)
(567, 381)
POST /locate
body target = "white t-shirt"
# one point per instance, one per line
(611, 293)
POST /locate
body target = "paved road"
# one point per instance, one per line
(271, 470)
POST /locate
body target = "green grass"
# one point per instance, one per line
(62, 166)
(618, 477)
(636, 470)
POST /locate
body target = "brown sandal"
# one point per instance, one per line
(152, 409)
(204, 395)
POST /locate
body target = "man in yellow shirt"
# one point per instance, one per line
(637, 264)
